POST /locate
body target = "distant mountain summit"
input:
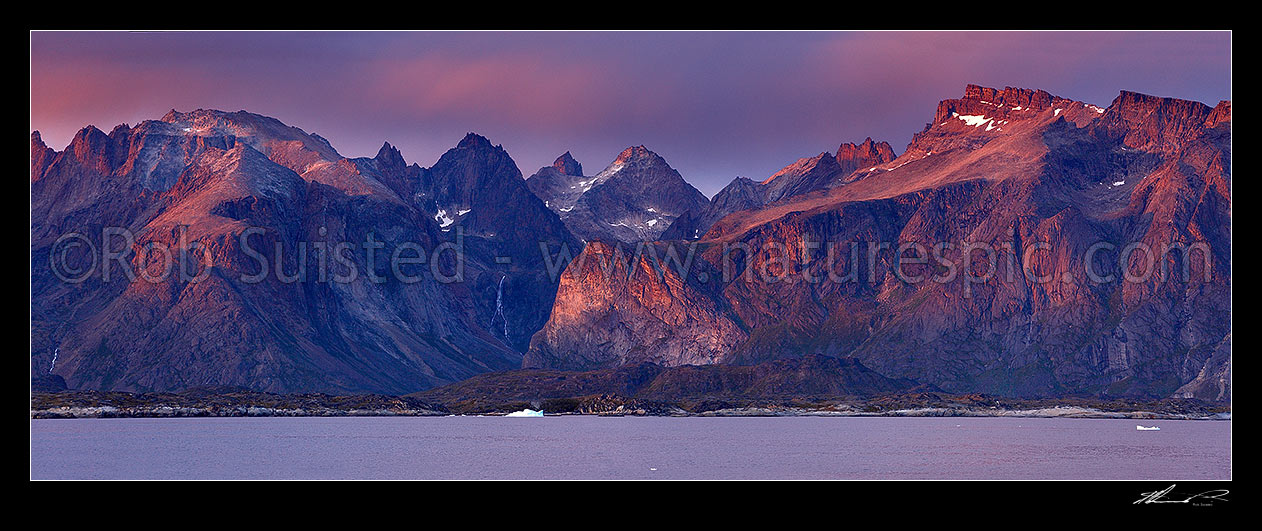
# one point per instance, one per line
(635, 198)
(559, 185)
(566, 165)
(201, 182)
(1057, 188)
(1039, 179)
(851, 157)
(806, 175)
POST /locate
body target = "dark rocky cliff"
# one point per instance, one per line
(1038, 180)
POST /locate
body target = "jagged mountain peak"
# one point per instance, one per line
(41, 156)
(243, 124)
(641, 165)
(636, 153)
(635, 198)
(120, 130)
(937, 195)
(171, 116)
(864, 152)
(1148, 122)
(239, 171)
(984, 114)
(646, 163)
(212, 181)
(990, 106)
(174, 116)
(88, 132)
(90, 142)
(556, 187)
(567, 165)
(1220, 114)
(1008, 166)
(475, 141)
(390, 157)
(740, 181)
(1147, 103)
(202, 120)
(476, 152)
(802, 166)
(807, 174)
(869, 153)
(1011, 96)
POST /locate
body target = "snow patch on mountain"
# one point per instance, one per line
(974, 120)
(442, 219)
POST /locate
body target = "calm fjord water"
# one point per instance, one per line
(584, 447)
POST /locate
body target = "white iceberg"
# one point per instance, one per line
(525, 413)
(1140, 428)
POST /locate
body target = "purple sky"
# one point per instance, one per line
(714, 104)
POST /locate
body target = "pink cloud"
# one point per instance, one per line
(716, 104)
(513, 89)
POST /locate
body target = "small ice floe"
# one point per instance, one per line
(525, 413)
(1147, 428)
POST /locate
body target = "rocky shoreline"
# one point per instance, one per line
(221, 403)
(239, 403)
(103, 412)
(1053, 412)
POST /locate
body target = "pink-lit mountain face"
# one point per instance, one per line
(261, 206)
(634, 199)
(808, 174)
(1062, 192)
(1058, 189)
